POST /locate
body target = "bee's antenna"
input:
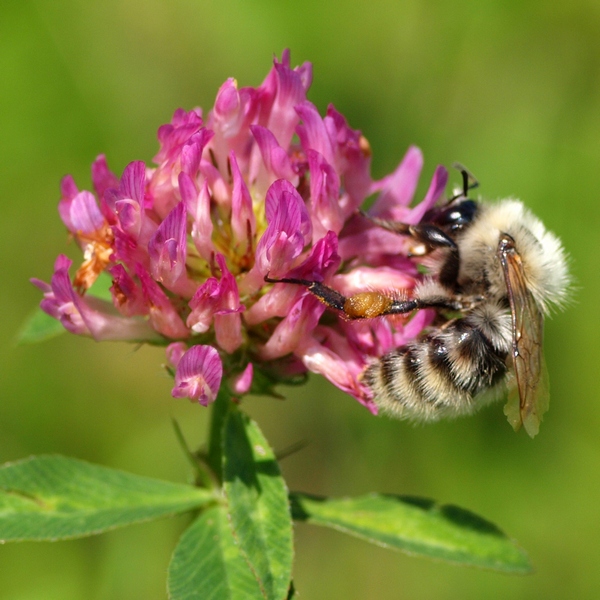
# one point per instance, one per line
(469, 181)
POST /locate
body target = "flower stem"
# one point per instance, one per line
(204, 477)
(220, 409)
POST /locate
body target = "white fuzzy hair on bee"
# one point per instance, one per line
(542, 254)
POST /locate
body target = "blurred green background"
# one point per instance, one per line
(510, 89)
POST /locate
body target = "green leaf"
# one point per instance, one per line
(54, 497)
(39, 327)
(207, 563)
(418, 526)
(258, 504)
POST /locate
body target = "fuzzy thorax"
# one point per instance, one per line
(541, 252)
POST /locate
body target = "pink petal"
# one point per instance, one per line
(175, 352)
(68, 191)
(126, 294)
(353, 159)
(371, 243)
(173, 135)
(168, 251)
(313, 133)
(275, 159)
(436, 189)
(232, 108)
(241, 383)
(198, 376)
(198, 206)
(216, 183)
(295, 327)
(321, 262)
(384, 279)
(318, 265)
(102, 177)
(275, 303)
(85, 215)
(319, 359)
(218, 301)
(204, 305)
(89, 315)
(324, 194)
(290, 92)
(228, 331)
(398, 189)
(133, 181)
(230, 120)
(288, 230)
(163, 316)
(243, 221)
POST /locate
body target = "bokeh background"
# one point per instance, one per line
(510, 89)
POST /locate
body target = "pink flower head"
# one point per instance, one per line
(263, 187)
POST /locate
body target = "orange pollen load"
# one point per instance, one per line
(366, 305)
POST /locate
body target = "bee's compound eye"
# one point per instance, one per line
(459, 215)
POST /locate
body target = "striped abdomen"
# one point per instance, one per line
(450, 372)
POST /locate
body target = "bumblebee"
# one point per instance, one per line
(498, 272)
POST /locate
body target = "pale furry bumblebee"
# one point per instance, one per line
(497, 273)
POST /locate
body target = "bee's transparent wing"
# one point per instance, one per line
(528, 399)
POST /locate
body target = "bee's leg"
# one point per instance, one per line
(367, 305)
(325, 294)
(434, 237)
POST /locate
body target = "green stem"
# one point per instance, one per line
(204, 477)
(220, 409)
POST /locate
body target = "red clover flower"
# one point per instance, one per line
(263, 186)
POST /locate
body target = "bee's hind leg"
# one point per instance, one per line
(366, 305)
